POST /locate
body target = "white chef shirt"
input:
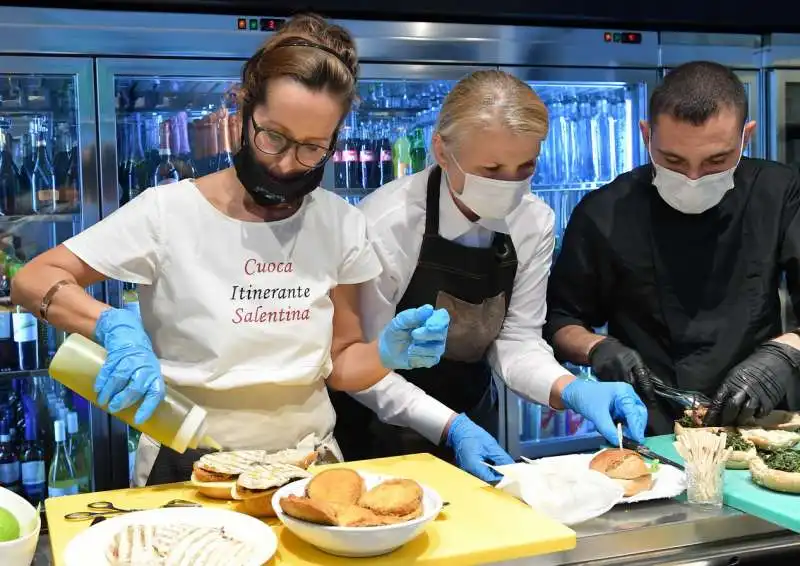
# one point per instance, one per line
(227, 303)
(395, 217)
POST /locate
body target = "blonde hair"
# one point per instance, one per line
(491, 98)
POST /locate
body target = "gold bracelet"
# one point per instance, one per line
(48, 297)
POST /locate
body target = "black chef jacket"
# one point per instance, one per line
(693, 294)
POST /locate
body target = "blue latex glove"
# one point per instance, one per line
(415, 338)
(131, 372)
(603, 403)
(473, 446)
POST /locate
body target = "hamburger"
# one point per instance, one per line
(214, 475)
(778, 471)
(625, 467)
(255, 487)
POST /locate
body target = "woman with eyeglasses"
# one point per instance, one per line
(248, 277)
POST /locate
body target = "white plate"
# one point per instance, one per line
(668, 481)
(89, 547)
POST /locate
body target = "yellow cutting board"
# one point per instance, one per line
(480, 524)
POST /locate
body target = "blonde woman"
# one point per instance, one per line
(467, 235)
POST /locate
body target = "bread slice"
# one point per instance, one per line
(637, 485)
(776, 480)
(779, 420)
(770, 439)
(213, 490)
(740, 459)
(680, 429)
(626, 467)
(619, 464)
(265, 477)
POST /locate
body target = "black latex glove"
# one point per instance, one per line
(754, 387)
(613, 361)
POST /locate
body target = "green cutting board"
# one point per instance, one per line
(741, 493)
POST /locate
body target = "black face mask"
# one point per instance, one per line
(268, 189)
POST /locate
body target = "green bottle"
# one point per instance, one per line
(61, 479)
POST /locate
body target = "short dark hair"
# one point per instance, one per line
(696, 91)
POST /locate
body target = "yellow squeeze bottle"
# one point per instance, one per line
(177, 422)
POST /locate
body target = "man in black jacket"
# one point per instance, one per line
(682, 259)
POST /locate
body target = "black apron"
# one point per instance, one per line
(172, 467)
(475, 286)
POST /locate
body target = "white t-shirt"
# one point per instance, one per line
(229, 303)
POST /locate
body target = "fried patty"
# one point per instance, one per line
(339, 485)
(397, 497)
(203, 475)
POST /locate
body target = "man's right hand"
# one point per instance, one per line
(131, 372)
(611, 360)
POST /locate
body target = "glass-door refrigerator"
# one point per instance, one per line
(594, 136)
(782, 64)
(48, 192)
(782, 70)
(742, 53)
(388, 134)
(161, 121)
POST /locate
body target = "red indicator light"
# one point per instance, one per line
(241, 23)
(608, 37)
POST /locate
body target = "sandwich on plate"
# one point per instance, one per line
(778, 471)
(214, 475)
(626, 467)
(256, 486)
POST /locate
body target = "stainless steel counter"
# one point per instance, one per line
(667, 533)
(673, 532)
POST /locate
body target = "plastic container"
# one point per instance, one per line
(177, 422)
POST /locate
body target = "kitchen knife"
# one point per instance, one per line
(643, 450)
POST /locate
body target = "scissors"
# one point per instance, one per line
(105, 508)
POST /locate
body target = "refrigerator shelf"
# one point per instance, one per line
(27, 218)
(586, 186)
(9, 375)
(378, 111)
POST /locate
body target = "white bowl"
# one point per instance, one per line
(20, 552)
(357, 542)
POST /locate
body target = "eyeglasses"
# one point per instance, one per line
(272, 142)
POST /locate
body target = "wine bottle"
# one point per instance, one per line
(61, 479)
(165, 172)
(77, 451)
(25, 329)
(9, 176)
(43, 180)
(32, 459)
(9, 463)
(8, 351)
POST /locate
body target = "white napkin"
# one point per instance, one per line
(566, 493)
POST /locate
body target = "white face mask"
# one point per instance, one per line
(693, 196)
(490, 198)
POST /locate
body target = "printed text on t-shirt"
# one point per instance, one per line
(260, 302)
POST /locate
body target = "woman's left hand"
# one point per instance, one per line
(415, 338)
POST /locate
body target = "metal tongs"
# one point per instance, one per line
(686, 398)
